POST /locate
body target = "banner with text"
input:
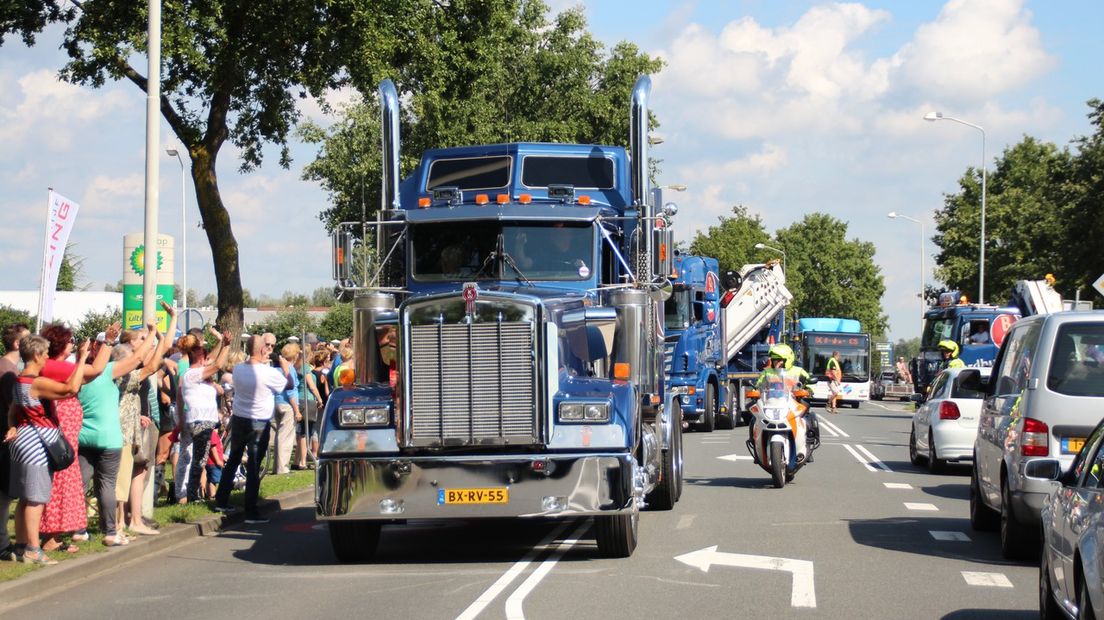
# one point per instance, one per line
(135, 262)
(59, 223)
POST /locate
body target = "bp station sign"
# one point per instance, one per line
(135, 262)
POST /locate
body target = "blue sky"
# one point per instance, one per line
(786, 107)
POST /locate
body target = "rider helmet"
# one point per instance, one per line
(949, 346)
(782, 352)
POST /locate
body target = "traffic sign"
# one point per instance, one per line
(1099, 284)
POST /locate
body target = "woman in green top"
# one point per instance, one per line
(101, 435)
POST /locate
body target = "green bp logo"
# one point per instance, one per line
(138, 260)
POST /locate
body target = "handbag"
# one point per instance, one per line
(59, 453)
(147, 445)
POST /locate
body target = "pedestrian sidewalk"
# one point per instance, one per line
(61, 577)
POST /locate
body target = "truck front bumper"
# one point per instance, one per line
(536, 485)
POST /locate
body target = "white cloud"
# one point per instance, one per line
(50, 109)
(975, 49)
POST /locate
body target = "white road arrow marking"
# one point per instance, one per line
(734, 457)
(803, 593)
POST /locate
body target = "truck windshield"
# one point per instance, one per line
(676, 310)
(445, 251)
(936, 330)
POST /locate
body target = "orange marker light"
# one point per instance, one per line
(663, 251)
(482, 199)
(621, 371)
(525, 199)
(424, 202)
(502, 199)
(584, 200)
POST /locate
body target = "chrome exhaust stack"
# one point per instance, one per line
(638, 152)
(390, 204)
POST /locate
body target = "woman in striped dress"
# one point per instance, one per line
(30, 428)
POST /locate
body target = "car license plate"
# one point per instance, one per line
(496, 495)
(1072, 445)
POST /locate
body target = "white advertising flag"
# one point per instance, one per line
(59, 223)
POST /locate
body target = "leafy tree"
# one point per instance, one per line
(732, 241)
(480, 72)
(338, 322)
(285, 323)
(71, 270)
(11, 316)
(322, 297)
(95, 321)
(114, 288)
(907, 348)
(232, 71)
(1084, 223)
(210, 300)
(1027, 211)
(294, 299)
(831, 276)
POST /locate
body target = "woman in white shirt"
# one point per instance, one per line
(200, 416)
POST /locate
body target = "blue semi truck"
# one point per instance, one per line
(508, 344)
(715, 344)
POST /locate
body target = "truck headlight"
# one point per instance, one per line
(363, 416)
(584, 412)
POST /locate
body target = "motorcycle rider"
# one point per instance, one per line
(949, 349)
(782, 369)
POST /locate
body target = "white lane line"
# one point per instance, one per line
(833, 427)
(509, 576)
(874, 459)
(897, 485)
(949, 536)
(992, 580)
(921, 506)
(858, 457)
(735, 457)
(514, 603)
(685, 521)
(830, 431)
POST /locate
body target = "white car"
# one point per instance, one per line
(946, 423)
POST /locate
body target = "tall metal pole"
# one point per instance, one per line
(922, 291)
(153, 139)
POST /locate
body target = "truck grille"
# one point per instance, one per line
(472, 384)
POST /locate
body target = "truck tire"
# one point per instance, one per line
(354, 541)
(666, 493)
(616, 535)
(708, 419)
(778, 464)
(727, 420)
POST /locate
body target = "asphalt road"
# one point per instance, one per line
(861, 533)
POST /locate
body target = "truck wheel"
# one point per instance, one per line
(727, 420)
(665, 494)
(616, 535)
(708, 420)
(778, 464)
(354, 541)
(1017, 541)
(982, 517)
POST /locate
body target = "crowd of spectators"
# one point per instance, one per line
(131, 403)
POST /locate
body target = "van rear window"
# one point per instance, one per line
(1077, 362)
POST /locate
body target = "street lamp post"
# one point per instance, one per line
(763, 246)
(895, 215)
(939, 116)
(183, 235)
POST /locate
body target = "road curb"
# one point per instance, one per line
(65, 575)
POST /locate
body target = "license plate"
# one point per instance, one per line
(496, 495)
(1072, 445)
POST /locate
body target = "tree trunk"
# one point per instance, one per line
(220, 236)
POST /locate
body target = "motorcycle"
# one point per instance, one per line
(779, 441)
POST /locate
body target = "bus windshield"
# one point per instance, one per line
(854, 350)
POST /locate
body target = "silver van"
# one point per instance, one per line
(1043, 398)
